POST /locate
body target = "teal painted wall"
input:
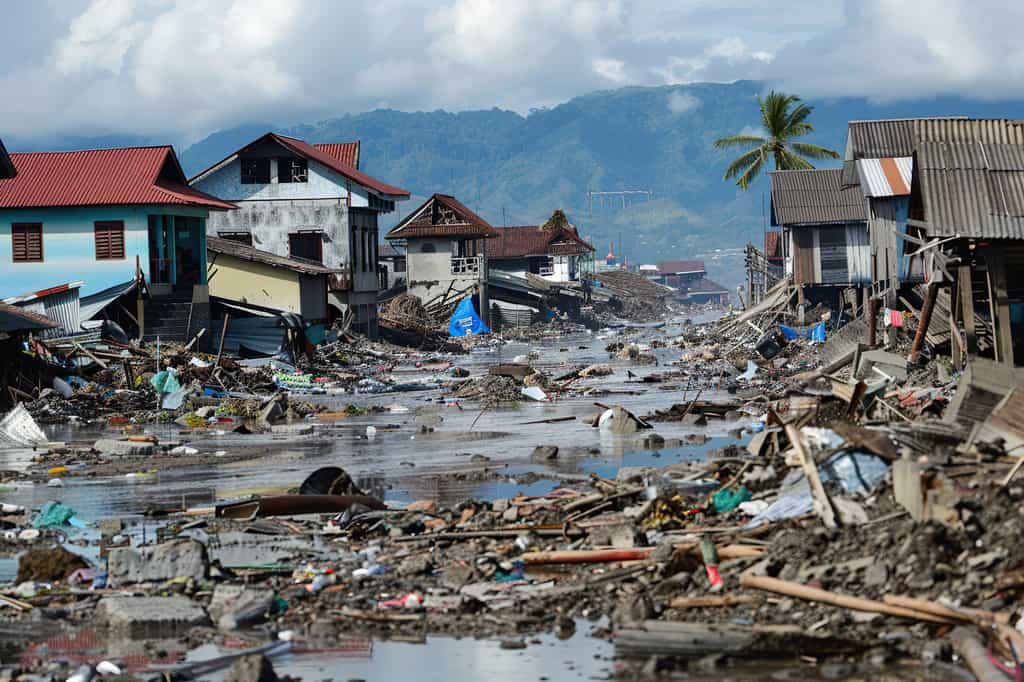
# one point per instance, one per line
(69, 247)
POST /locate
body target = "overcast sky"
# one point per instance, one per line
(183, 68)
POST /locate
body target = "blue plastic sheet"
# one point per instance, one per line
(465, 321)
(788, 332)
(817, 333)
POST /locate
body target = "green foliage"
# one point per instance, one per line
(783, 118)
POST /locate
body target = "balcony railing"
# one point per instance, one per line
(340, 281)
(468, 267)
(546, 271)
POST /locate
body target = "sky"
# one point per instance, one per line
(185, 68)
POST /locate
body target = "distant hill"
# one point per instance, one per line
(516, 169)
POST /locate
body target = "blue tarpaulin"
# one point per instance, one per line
(817, 333)
(465, 320)
(788, 332)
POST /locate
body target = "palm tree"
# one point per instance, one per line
(782, 122)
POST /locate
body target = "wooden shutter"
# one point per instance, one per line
(109, 239)
(27, 242)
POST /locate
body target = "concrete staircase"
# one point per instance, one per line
(167, 317)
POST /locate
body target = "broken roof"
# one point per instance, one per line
(680, 267)
(7, 169)
(811, 197)
(102, 177)
(442, 215)
(229, 247)
(15, 319)
(521, 241)
(330, 156)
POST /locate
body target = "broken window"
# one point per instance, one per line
(255, 171)
(109, 235)
(240, 237)
(27, 242)
(306, 245)
(292, 170)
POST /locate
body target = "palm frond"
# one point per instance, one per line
(813, 151)
(775, 112)
(797, 116)
(751, 173)
(787, 160)
(738, 141)
(744, 161)
(798, 130)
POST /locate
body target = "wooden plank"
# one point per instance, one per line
(967, 306)
(1001, 305)
(822, 504)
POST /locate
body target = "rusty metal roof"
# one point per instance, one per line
(7, 169)
(971, 189)
(885, 177)
(442, 215)
(102, 177)
(810, 197)
(521, 241)
(229, 247)
(679, 267)
(346, 152)
(15, 319)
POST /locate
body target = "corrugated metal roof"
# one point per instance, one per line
(101, 177)
(346, 152)
(235, 249)
(530, 240)
(92, 305)
(887, 177)
(59, 303)
(972, 189)
(808, 197)
(878, 139)
(459, 221)
(988, 130)
(7, 169)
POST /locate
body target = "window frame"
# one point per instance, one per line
(23, 228)
(255, 178)
(304, 236)
(284, 169)
(237, 236)
(112, 227)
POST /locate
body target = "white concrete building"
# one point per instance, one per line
(444, 250)
(310, 202)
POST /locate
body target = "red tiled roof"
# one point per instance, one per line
(101, 177)
(324, 158)
(421, 222)
(675, 267)
(7, 169)
(346, 152)
(530, 240)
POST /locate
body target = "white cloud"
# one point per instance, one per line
(682, 102)
(177, 69)
(611, 69)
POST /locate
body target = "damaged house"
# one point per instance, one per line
(309, 202)
(115, 218)
(966, 224)
(554, 250)
(824, 233)
(444, 246)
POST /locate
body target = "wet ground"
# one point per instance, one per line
(403, 464)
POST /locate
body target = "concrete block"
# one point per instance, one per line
(149, 617)
(123, 448)
(235, 606)
(157, 563)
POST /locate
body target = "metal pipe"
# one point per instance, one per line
(922, 325)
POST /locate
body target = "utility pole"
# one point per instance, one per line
(622, 195)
